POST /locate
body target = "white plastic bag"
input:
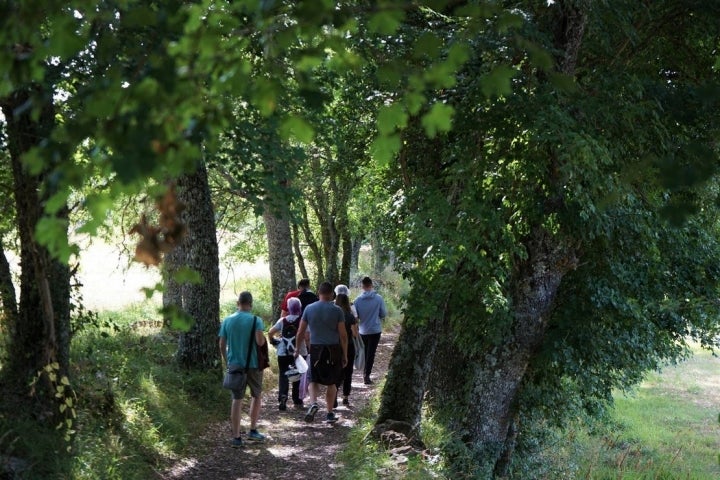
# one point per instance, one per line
(359, 360)
(301, 364)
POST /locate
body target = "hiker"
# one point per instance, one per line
(371, 310)
(236, 348)
(286, 344)
(342, 300)
(328, 349)
(303, 292)
(340, 288)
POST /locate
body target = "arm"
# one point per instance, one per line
(259, 333)
(223, 349)
(342, 331)
(271, 334)
(354, 329)
(301, 333)
(383, 310)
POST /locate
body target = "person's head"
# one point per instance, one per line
(343, 301)
(245, 301)
(325, 291)
(342, 290)
(304, 284)
(367, 283)
(294, 306)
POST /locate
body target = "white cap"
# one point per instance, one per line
(342, 289)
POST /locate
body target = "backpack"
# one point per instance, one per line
(288, 333)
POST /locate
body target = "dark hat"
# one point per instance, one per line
(245, 298)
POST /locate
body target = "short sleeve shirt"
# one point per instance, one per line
(281, 348)
(236, 329)
(323, 319)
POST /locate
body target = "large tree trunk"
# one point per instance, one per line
(408, 373)
(198, 348)
(280, 256)
(7, 289)
(498, 375)
(41, 333)
(172, 296)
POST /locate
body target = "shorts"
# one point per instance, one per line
(325, 364)
(254, 381)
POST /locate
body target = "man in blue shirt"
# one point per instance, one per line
(235, 339)
(371, 310)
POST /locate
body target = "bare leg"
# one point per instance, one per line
(330, 396)
(255, 405)
(235, 415)
(313, 391)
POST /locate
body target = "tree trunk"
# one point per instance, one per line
(198, 348)
(7, 289)
(41, 333)
(408, 373)
(280, 256)
(172, 290)
(298, 252)
(355, 258)
(346, 261)
(497, 377)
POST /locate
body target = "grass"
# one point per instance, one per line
(137, 411)
(667, 429)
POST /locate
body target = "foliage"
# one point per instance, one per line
(135, 409)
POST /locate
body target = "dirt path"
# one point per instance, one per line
(293, 449)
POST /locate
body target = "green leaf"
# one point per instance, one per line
(386, 22)
(563, 82)
(298, 128)
(508, 20)
(52, 233)
(384, 148)
(414, 102)
(429, 45)
(391, 117)
(438, 119)
(458, 54)
(498, 81)
(177, 319)
(187, 275)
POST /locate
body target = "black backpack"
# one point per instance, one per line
(288, 333)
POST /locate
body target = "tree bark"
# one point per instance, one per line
(40, 334)
(280, 256)
(198, 348)
(497, 376)
(346, 259)
(355, 258)
(298, 252)
(7, 289)
(408, 373)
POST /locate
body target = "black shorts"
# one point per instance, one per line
(325, 364)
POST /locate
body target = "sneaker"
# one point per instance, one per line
(237, 442)
(282, 406)
(310, 415)
(330, 417)
(346, 402)
(300, 405)
(368, 381)
(256, 436)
